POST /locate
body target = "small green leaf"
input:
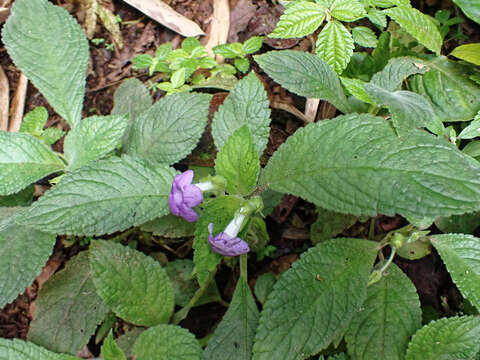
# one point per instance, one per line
(133, 285)
(300, 19)
(242, 64)
(238, 162)
(464, 224)
(233, 337)
(448, 338)
(356, 87)
(51, 135)
(167, 342)
(169, 226)
(178, 78)
(110, 350)
(263, 286)
(34, 121)
(468, 52)
(20, 350)
(190, 44)
(48, 45)
(471, 131)
(142, 61)
(226, 50)
(335, 45)
(471, 8)
(252, 45)
(322, 290)
(364, 36)
(67, 309)
(347, 10)
(329, 224)
(377, 17)
(24, 160)
(396, 71)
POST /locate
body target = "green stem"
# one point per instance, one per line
(389, 261)
(243, 267)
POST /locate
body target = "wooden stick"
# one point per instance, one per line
(4, 100)
(311, 108)
(18, 104)
(220, 25)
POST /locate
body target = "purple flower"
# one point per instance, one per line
(226, 244)
(184, 196)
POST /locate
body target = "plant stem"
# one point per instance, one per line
(243, 267)
(389, 261)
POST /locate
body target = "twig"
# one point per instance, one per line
(289, 108)
(4, 100)
(219, 26)
(18, 104)
(311, 108)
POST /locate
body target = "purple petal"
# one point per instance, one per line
(188, 214)
(184, 179)
(192, 195)
(226, 245)
(173, 204)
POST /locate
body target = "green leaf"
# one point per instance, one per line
(419, 176)
(461, 255)
(264, 286)
(110, 350)
(21, 267)
(419, 25)
(471, 8)
(329, 224)
(233, 337)
(34, 121)
(448, 338)
(20, 350)
(472, 148)
(300, 19)
(94, 138)
(133, 285)
(388, 317)
(238, 163)
(127, 340)
(51, 135)
(347, 10)
(464, 224)
(305, 75)
(48, 45)
(335, 45)
(247, 104)
(169, 226)
(242, 64)
(103, 197)
(377, 17)
(190, 44)
(471, 131)
(356, 87)
(67, 309)
(170, 129)
(364, 36)
(24, 160)
(396, 71)
(22, 198)
(453, 95)
(142, 61)
(218, 211)
(228, 51)
(178, 78)
(252, 45)
(321, 291)
(468, 52)
(167, 342)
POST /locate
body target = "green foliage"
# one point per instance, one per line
(471, 8)
(169, 226)
(34, 122)
(263, 286)
(299, 19)
(20, 350)
(364, 36)
(110, 349)
(329, 224)
(468, 52)
(239, 51)
(346, 10)
(335, 45)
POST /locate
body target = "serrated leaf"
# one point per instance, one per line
(329, 224)
(252, 45)
(133, 285)
(471, 8)
(34, 121)
(419, 25)
(20, 267)
(461, 255)
(305, 75)
(142, 61)
(242, 64)
(453, 95)
(110, 350)
(20, 350)
(226, 50)
(167, 342)
(388, 317)
(48, 45)
(233, 337)
(170, 129)
(169, 226)
(300, 19)
(377, 17)
(247, 104)
(396, 71)
(263, 286)
(347, 10)
(335, 45)
(464, 224)
(24, 160)
(103, 197)
(364, 36)
(448, 338)
(22, 198)
(67, 309)
(419, 176)
(468, 52)
(356, 88)
(218, 211)
(238, 163)
(321, 291)
(92, 139)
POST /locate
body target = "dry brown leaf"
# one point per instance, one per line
(18, 104)
(240, 16)
(4, 100)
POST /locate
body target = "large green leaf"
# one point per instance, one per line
(448, 338)
(461, 255)
(67, 309)
(133, 285)
(247, 104)
(453, 95)
(233, 338)
(312, 303)
(335, 45)
(170, 129)
(304, 74)
(299, 19)
(388, 318)
(103, 197)
(364, 36)
(471, 8)
(167, 342)
(20, 350)
(397, 70)
(23, 253)
(468, 52)
(329, 224)
(92, 139)
(419, 25)
(23, 160)
(356, 164)
(50, 48)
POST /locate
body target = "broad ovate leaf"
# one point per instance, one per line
(170, 129)
(93, 138)
(304, 74)
(347, 10)
(322, 291)
(419, 175)
(471, 8)
(364, 36)
(167, 342)
(133, 285)
(468, 52)
(67, 309)
(247, 104)
(396, 71)
(103, 197)
(389, 316)
(20, 350)
(299, 19)
(23, 160)
(335, 45)
(49, 47)
(447, 338)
